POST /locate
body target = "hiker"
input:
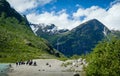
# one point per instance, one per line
(35, 63)
(19, 63)
(16, 63)
(27, 62)
(30, 63)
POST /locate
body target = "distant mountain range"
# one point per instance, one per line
(49, 29)
(80, 40)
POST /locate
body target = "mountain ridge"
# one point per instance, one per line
(9, 12)
(79, 40)
(50, 29)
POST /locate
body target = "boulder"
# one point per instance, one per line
(76, 74)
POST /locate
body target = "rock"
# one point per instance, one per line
(76, 74)
(79, 60)
(47, 63)
(84, 61)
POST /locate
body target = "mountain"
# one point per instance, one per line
(9, 12)
(17, 41)
(80, 40)
(49, 29)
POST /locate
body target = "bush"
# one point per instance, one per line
(105, 59)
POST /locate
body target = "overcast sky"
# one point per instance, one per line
(69, 13)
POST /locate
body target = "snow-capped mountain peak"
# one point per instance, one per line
(51, 29)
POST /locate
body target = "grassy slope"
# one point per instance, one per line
(17, 41)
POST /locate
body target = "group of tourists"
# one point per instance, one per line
(29, 62)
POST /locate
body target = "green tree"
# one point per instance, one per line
(105, 59)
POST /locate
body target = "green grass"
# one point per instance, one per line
(18, 42)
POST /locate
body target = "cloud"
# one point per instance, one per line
(24, 5)
(61, 19)
(114, 2)
(110, 17)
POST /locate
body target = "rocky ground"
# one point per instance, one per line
(49, 67)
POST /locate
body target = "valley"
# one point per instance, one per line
(89, 49)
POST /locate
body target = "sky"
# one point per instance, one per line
(67, 14)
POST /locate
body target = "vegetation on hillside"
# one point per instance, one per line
(116, 33)
(17, 41)
(105, 59)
